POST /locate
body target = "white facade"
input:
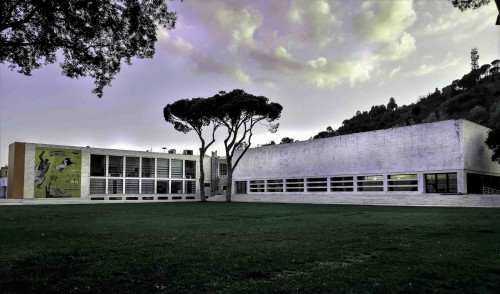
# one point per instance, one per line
(382, 158)
(84, 183)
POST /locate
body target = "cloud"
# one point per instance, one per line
(425, 69)
(325, 74)
(394, 71)
(313, 21)
(452, 19)
(282, 53)
(280, 60)
(401, 49)
(242, 76)
(385, 21)
(241, 24)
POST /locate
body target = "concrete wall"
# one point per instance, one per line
(418, 148)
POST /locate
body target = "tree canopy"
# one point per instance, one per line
(194, 114)
(94, 36)
(474, 4)
(238, 113)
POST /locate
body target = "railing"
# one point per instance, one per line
(489, 190)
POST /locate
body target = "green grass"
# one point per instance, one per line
(241, 248)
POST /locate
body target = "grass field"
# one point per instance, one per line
(241, 247)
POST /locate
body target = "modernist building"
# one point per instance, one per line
(441, 158)
(85, 173)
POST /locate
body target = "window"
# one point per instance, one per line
(223, 169)
(163, 168)
(370, 183)
(317, 185)
(176, 168)
(402, 182)
(342, 184)
(241, 187)
(176, 187)
(97, 165)
(257, 186)
(97, 186)
(190, 187)
(441, 183)
(190, 168)
(131, 186)
(115, 166)
(294, 185)
(274, 185)
(148, 167)
(162, 187)
(148, 187)
(132, 167)
(115, 186)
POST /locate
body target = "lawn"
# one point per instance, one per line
(243, 247)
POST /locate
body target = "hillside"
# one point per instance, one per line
(475, 97)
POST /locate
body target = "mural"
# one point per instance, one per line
(57, 172)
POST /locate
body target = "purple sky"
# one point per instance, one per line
(322, 60)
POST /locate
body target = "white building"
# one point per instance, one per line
(447, 157)
(41, 171)
(440, 163)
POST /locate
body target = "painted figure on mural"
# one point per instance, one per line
(41, 169)
(65, 163)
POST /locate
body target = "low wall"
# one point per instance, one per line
(460, 200)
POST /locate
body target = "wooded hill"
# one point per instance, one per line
(474, 97)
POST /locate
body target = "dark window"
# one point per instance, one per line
(441, 183)
(97, 186)
(190, 187)
(131, 186)
(223, 169)
(148, 167)
(148, 187)
(294, 185)
(176, 187)
(132, 167)
(115, 186)
(317, 185)
(115, 166)
(97, 165)
(274, 185)
(190, 168)
(162, 187)
(241, 187)
(257, 186)
(342, 184)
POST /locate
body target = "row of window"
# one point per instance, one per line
(435, 183)
(134, 167)
(143, 186)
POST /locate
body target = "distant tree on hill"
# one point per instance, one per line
(95, 37)
(286, 140)
(493, 142)
(392, 104)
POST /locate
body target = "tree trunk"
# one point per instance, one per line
(229, 188)
(202, 176)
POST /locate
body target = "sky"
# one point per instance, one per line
(321, 60)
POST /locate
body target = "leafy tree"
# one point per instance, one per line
(287, 140)
(194, 114)
(493, 142)
(94, 36)
(474, 4)
(495, 62)
(392, 104)
(238, 112)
